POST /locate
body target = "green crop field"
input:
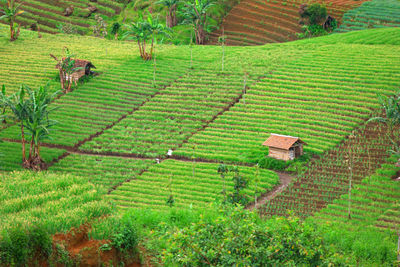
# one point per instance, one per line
(372, 14)
(107, 155)
(57, 201)
(49, 15)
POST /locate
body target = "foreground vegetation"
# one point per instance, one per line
(165, 182)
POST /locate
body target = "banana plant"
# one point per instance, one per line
(195, 14)
(391, 109)
(171, 5)
(144, 30)
(38, 123)
(9, 13)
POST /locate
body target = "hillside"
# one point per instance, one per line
(116, 128)
(372, 14)
(253, 22)
(48, 15)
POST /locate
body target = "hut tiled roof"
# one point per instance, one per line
(281, 141)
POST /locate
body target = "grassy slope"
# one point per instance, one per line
(325, 68)
(254, 22)
(372, 14)
(48, 14)
(125, 88)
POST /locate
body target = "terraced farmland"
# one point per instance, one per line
(57, 202)
(192, 185)
(328, 178)
(301, 94)
(11, 155)
(76, 118)
(255, 22)
(28, 62)
(372, 14)
(49, 14)
(102, 170)
(374, 202)
(172, 116)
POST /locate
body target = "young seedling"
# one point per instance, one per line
(170, 200)
(223, 170)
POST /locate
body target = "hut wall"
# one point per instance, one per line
(278, 153)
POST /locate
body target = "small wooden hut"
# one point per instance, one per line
(284, 147)
(84, 68)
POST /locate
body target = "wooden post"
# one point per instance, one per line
(244, 87)
(155, 66)
(191, 47)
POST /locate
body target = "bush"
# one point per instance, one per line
(239, 237)
(122, 231)
(315, 14)
(18, 245)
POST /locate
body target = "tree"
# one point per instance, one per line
(115, 29)
(223, 170)
(142, 31)
(9, 13)
(240, 183)
(33, 115)
(391, 108)
(66, 67)
(38, 123)
(170, 19)
(195, 14)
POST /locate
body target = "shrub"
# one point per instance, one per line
(238, 237)
(315, 14)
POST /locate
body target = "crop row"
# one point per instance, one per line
(102, 101)
(11, 155)
(299, 99)
(257, 22)
(48, 16)
(172, 116)
(373, 202)
(327, 178)
(102, 170)
(372, 14)
(190, 183)
(53, 201)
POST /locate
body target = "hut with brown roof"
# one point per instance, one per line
(83, 67)
(284, 147)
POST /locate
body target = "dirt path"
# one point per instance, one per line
(285, 179)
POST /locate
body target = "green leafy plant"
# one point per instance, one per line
(240, 183)
(9, 13)
(143, 30)
(170, 18)
(391, 108)
(33, 115)
(195, 13)
(238, 237)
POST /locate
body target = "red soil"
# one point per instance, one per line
(87, 252)
(254, 22)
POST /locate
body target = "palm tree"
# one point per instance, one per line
(10, 13)
(196, 15)
(33, 115)
(391, 108)
(142, 31)
(170, 19)
(38, 123)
